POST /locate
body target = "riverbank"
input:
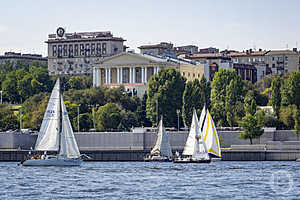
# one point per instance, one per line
(138, 155)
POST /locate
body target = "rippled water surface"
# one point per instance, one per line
(138, 180)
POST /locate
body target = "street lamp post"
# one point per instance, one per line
(178, 112)
(78, 117)
(1, 96)
(20, 111)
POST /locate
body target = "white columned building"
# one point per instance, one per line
(112, 69)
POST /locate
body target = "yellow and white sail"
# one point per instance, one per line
(211, 137)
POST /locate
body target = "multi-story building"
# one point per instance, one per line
(75, 53)
(133, 71)
(213, 62)
(282, 61)
(209, 50)
(15, 57)
(188, 49)
(255, 58)
(162, 48)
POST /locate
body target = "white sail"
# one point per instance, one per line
(211, 137)
(162, 146)
(48, 138)
(190, 144)
(203, 148)
(68, 144)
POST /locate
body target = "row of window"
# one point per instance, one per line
(189, 74)
(72, 50)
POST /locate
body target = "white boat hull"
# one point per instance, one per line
(53, 162)
(298, 160)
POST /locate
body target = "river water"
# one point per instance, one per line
(139, 180)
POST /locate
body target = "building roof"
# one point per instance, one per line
(162, 45)
(84, 36)
(207, 55)
(276, 52)
(248, 53)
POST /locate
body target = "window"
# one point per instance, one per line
(54, 51)
(70, 50)
(76, 50)
(93, 49)
(87, 49)
(273, 65)
(59, 51)
(81, 49)
(65, 50)
(104, 48)
(98, 49)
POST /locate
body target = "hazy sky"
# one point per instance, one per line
(234, 24)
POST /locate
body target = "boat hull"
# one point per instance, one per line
(68, 162)
(298, 160)
(157, 159)
(192, 161)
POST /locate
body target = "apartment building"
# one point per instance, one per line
(75, 53)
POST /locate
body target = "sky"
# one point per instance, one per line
(224, 24)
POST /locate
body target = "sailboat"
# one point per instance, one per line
(203, 142)
(56, 134)
(161, 151)
(195, 149)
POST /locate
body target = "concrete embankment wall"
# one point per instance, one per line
(140, 140)
(132, 146)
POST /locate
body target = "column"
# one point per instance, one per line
(154, 70)
(118, 75)
(157, 70)
(133, 81)
(130, 74)
(106, 76)
(94, 76)
(109, 75)
(121, 75)
(99, 77)
(143, 73)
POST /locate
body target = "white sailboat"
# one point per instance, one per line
(53, 137)
(210, 135)
(195, 150)
(161, 151)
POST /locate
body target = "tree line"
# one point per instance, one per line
(232, 101)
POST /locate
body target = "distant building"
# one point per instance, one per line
(255, 58)
(246, 71)
(213, 62)
(75, 53)
(282, 61)
(160, 49)
(209, 50)
(133, 71)
(188, 49)
(14, 57)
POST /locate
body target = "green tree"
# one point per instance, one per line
(141, 113)
(290, 91)
(9, 87)
(233, 98)
(165, 91)
(7, 118)
(85, 122)
(297, 121)
(286, 115)
(218, 94)
(276, 95)
(108, 117)
(251, 128)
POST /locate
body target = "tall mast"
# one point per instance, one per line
(60, 120)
